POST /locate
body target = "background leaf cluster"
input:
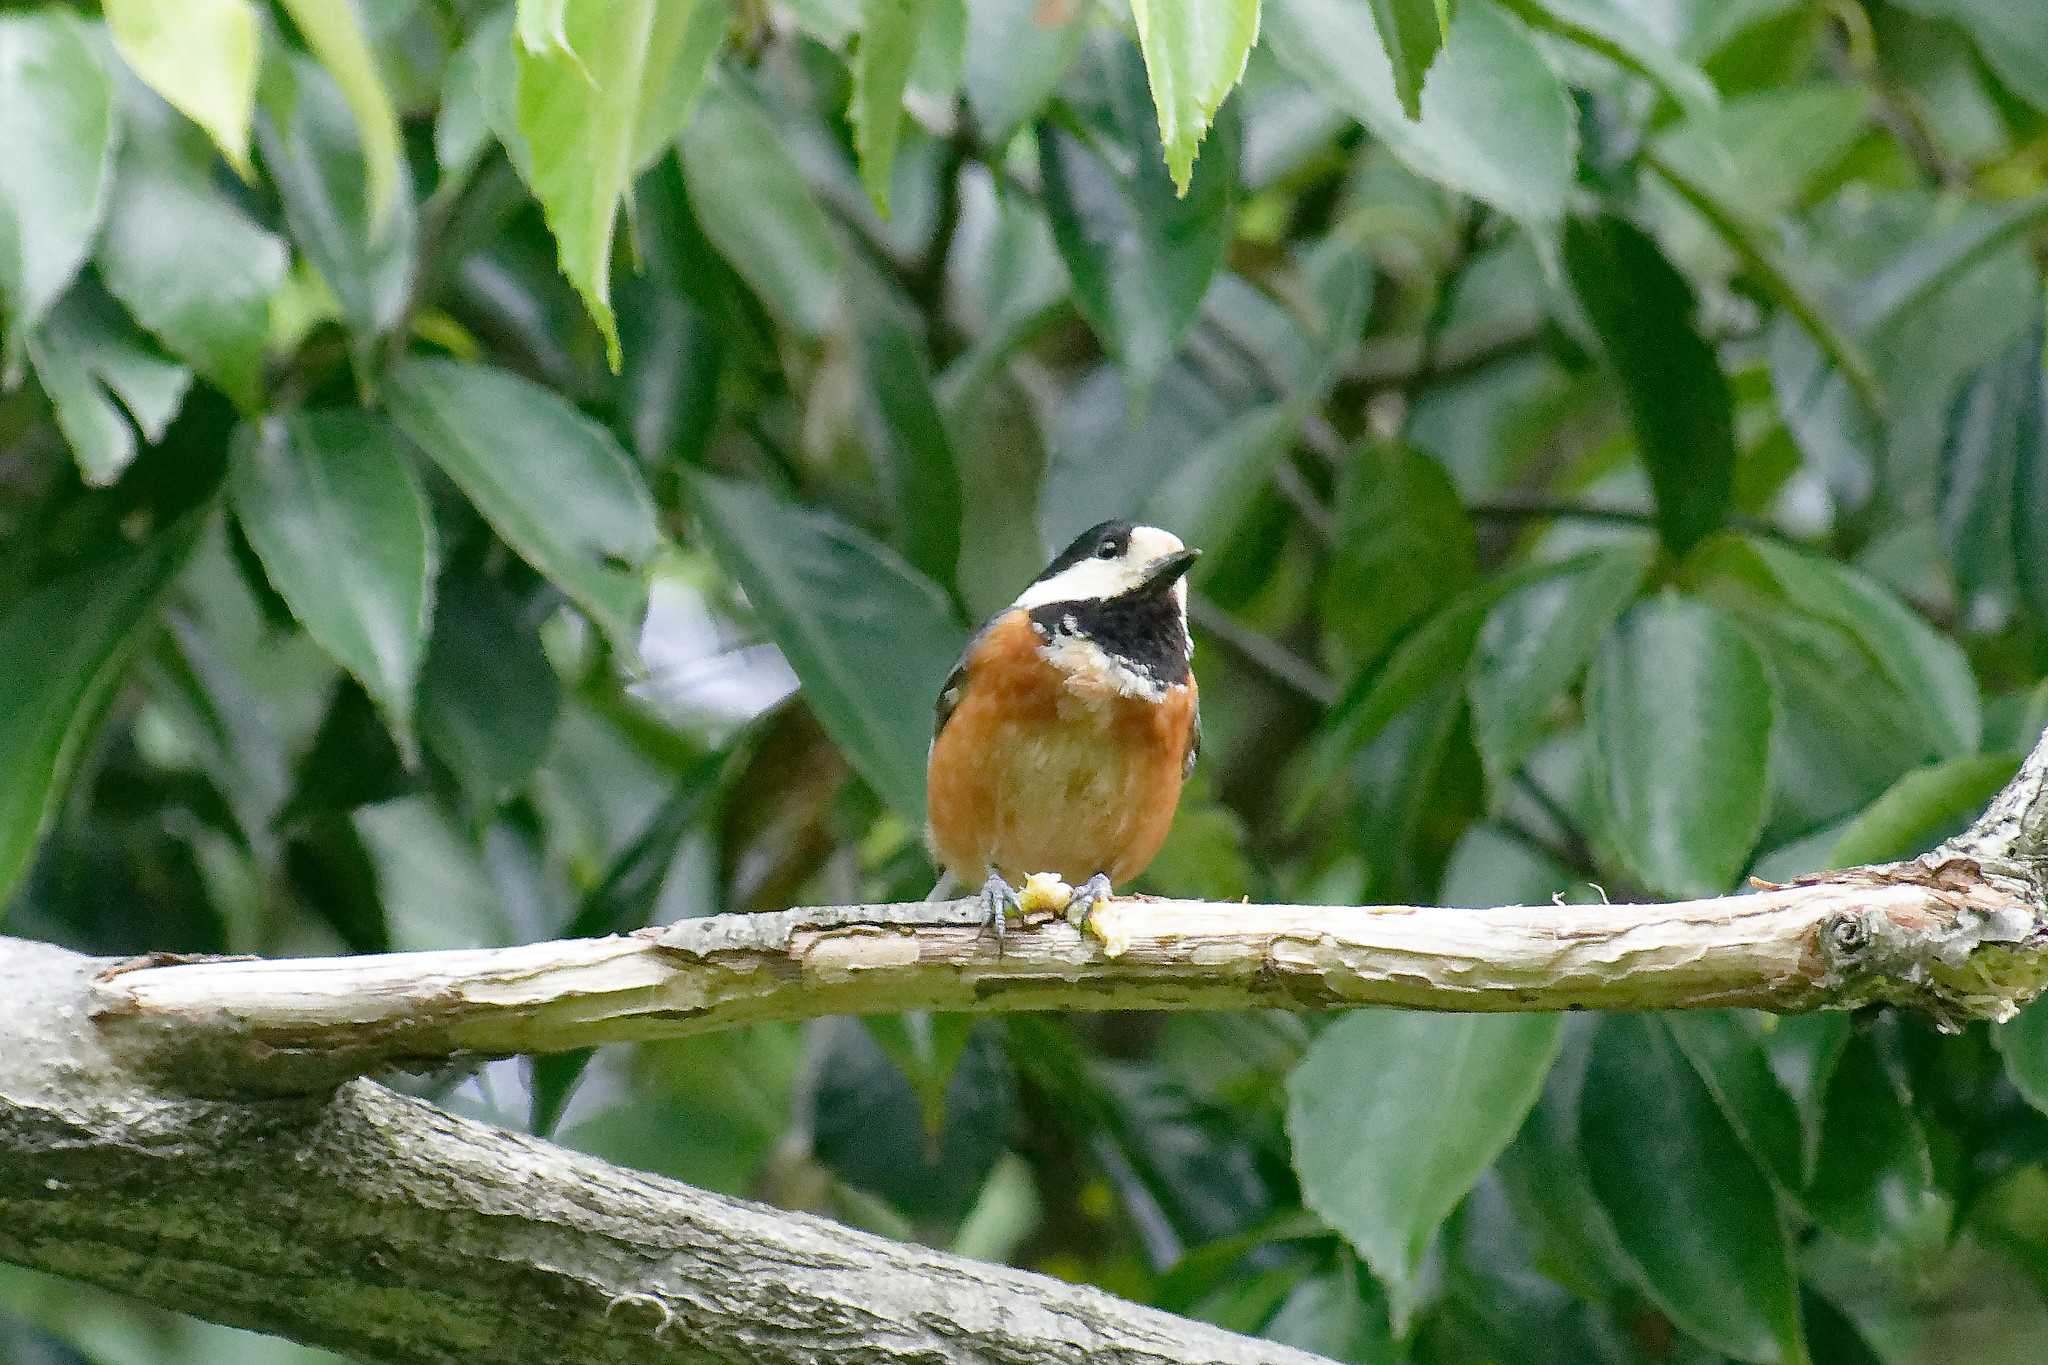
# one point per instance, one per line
(477, 472)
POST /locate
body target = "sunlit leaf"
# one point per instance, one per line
(881, 69)
(334, 33)
(1194, 55)
(58, 124)
(200, 55)
(1412, 33)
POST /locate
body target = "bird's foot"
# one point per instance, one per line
(998, 902)
(1087, 896)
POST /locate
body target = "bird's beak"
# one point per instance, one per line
(1167, 572)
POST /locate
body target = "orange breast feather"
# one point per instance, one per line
(1031, 775)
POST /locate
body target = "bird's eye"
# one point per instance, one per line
(1106, 550)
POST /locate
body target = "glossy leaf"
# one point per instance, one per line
(310, 149)
(2023, 1043)
(201, 55)
(58, 123)
(2018, 412)
(1726, 1050)
(1921, 809)
(1680, 709)
(882, 57)
(550, 481)
(1016, 52)
(1678, 401)
(332, 508)
(1521, 165)
(1141, 255)
(752, 201)
(1874, 1183)
(1994, 427)
(189, 264)
(1393, 1115)
(64, 645)
(1612, 29)
(488, 696)
(334, 33)
(866, 633)
(1403, 544)
(580, 103)
(1689, 1205)
(1536, 644)
(1194, 55)
(87, 356)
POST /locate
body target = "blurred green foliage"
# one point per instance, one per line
(477, 472)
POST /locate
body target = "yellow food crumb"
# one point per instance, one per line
(1043, 894)
(1106, 923)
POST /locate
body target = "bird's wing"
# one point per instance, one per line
(1187, 763)
(955, 685)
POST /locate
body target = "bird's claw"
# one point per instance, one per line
(1087, 896)
(998, 902)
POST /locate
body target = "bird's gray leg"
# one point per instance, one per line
(998, 902)
(1087, 896)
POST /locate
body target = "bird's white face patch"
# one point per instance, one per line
(1094, 673)
(1096, 579)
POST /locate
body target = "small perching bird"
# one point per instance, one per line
(1067, 728)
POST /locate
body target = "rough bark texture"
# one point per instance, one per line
(374, 1224)
(331, 1210)
(1935, 935)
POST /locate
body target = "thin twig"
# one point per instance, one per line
(1263, 652)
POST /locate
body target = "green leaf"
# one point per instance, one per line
(1727, 1053)
(754, 205)
(200, 55)
(2013, 39)
(58, 124)
(908, 433)
(1141, 255)
(1680, 709)
(1017, 50)
(1194, 55)
(2023, 1042)
(1403, 544)
(1923, 808)
(1678, 401)
(543, 25)
(1520, 165)
(1610, 28)
(64, 644)
(1691, 1208)
(550, 481)
(1217, 481)
(1394, 1114)
(332, 508)
(189, 264)
(882, 55)
(1933, 261)
(1875, 1182)
(1412, 32)
(1993, 429)
(867, 634)
(309, 147)
(1926, 668)
(1536, 644)
(580, 106)
(488, 696)
(334, 33)
(86, 356)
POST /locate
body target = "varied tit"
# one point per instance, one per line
(1069, 724)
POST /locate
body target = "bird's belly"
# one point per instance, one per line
(1088, 789)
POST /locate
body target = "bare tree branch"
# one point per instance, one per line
(379, 1225)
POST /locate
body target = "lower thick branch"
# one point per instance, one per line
(1940, 936)
(381, 1226)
